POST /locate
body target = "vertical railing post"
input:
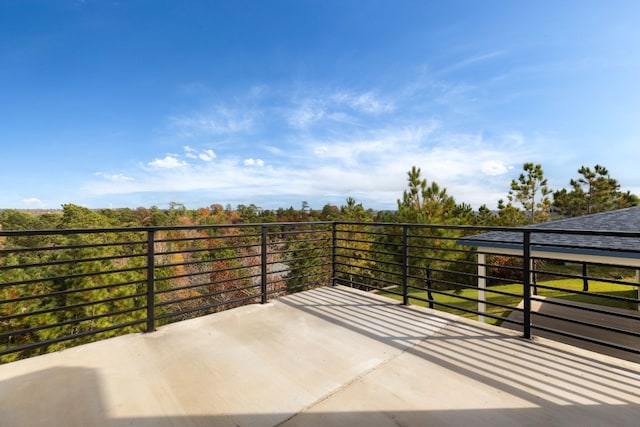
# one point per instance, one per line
(151, 317)
(534, 281)
(638, 288)
(263, 265)
(526, 294)
(482, 286)
(427, 282)
(334, 244)
(405, 265)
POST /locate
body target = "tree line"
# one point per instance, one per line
(214, 265)
(529, 200)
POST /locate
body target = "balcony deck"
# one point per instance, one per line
(325, 357)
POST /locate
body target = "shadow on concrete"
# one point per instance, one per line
(582, 312)
(594, 391)
(75, 384)
(71, 385)
(573, 416)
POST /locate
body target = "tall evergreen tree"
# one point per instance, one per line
(532, 191)
(592, 192)
(424, 204)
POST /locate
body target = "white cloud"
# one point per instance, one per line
(494, 167)
(168, 162)
(118, 177)
(368, 164)
(207, 155)
(340, 143)
(376, 146)
(33, 202)
(254, 162)
(190, 152)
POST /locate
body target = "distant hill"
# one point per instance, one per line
(36, 211)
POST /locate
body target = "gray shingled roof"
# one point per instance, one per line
(621, 220)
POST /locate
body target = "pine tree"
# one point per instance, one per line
(531, 190)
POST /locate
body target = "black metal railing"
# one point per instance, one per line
(532, 280)
(66, 287)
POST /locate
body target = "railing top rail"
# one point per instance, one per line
(66, 231)
(519, 230)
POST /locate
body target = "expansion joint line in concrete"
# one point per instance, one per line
(364, 374)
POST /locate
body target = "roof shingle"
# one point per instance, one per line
(598, 234)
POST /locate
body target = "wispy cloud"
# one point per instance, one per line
(469, 107)
(473, 60)
(217, 121)
(371, 166)
(306, 113)
(325, 145)
(336, 106)
(366, 102)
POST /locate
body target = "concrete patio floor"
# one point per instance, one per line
(325, 357)
(564, 316)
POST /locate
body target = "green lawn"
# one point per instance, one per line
(568, 287)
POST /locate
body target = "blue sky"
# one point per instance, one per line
(140, 103)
